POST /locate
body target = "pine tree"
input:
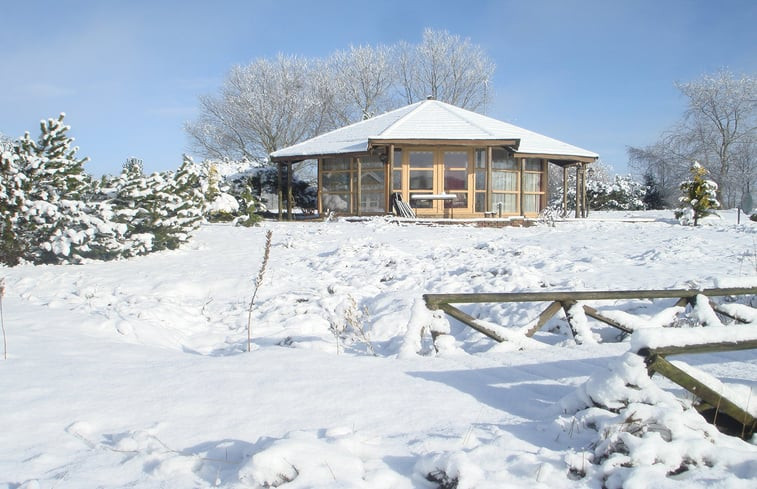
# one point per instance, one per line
(188, 186)
(653, 198)
(52, 213)
(160, 210)
(699, 196)
(11, 201)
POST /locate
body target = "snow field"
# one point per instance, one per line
(134, 373)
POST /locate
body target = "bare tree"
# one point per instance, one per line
(264, 106)
(271, 104)
(718, 129)
(447, 68)
(722, 120)
(363, 78)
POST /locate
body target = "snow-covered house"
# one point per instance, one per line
(442, 160)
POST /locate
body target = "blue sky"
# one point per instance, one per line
(596, 74)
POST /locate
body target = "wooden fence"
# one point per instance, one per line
(716, 406)
(569, 299)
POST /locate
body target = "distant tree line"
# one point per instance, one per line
(718, 130)
(270, 104)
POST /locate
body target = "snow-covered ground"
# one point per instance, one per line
(135, 373)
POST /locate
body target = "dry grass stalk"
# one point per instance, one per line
(256, 286)
(353, 317)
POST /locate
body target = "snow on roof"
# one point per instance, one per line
(428, 120)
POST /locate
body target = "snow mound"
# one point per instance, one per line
(340, 458)
(643, 436)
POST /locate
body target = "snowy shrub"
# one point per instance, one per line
(644, 435)
(699, 197)
(620, 193)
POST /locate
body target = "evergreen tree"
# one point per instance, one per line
(188, 186)
(653, 198)
(11, 202)
(160, 210)
(53, 185)
(699, 196)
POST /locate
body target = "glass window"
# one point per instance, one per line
(455, 180)
(531, 203)
(480, 158)
(336, 202)
(480, 202)
(397, 163)
(533, 164)
(503, 160)
(505, 181)
(508, 202)
(456, 159)
(532, 182)
(330, 164)
(396, 181)
(421, 159)
(421, 179)
(336, 182)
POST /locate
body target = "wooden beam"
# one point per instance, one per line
(445, 142)
(545, 316)
(565, 190)
(593, 313)
(469, 321)
(733, 315)
(657, 363)
(665, 351)
(471, 298)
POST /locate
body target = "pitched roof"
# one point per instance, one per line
(428, 120)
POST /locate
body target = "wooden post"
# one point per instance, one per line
(488, 186)
(280, 193)
(565, 190)
(578, 191)
(522, 185)
(389, 172)
(289, 191)
(359, 186)
(584, 206)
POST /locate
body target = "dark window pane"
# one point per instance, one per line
(480, 202)
(397, 158)
(533, 164)
(421, 159)
(421, 179)
(455, 180)
(481, 180)
(456, 159)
